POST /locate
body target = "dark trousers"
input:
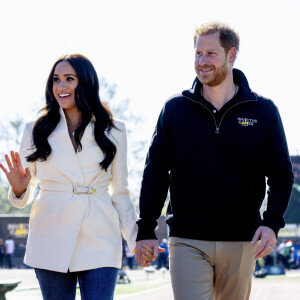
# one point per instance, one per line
(1, 260)
(95, 284)
(9, 260)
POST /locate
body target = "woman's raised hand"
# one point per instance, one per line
(17, 176)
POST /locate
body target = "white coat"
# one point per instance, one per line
(69, 231)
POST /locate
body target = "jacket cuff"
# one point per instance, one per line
(272, 226)
(146, 230)
(274, 222)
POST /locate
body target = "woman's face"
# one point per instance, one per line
(65, 82)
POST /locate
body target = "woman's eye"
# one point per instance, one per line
(70, 78)
(55, 79)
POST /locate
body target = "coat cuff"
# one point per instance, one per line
(18, 202)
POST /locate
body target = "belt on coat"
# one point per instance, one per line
(79, 189)
(76, 189)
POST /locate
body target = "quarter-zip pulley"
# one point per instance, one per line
(218, 125)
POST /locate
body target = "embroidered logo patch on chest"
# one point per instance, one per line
(246, 121)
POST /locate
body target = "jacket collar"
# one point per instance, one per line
(239, 78)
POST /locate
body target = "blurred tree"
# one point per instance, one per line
(137, 144)
(292, 215)
(10, 133)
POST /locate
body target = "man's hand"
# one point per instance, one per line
(267, 243)
(147, 250)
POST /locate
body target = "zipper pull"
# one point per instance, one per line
(217, 130)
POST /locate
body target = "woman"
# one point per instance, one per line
(77, 151)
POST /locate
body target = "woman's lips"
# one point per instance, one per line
(64, 96)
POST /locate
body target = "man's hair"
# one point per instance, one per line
(228, 37)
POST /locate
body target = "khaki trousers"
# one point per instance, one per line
(206, 270)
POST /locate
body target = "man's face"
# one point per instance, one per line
(211, 61)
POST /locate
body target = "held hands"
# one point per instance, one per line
(267, 243)
(146, 251)
(17, 176)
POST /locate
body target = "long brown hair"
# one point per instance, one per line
(88, 102)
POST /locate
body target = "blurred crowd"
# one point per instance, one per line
(286, 253)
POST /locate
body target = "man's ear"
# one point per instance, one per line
(232, 55)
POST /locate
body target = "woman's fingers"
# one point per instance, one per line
(13, 159)
(13, 162)
(4, 169)
(14, 167)
(146, 259)
(150, 250)
(15, 173)
(146, 254)
(18, 159)
(8, 161)
(27, 175)
(27, 172)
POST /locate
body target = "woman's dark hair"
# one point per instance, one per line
(88, 102)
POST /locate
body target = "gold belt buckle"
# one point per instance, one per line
(78, 189)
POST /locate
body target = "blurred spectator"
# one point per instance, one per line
(284, 254)
(9, 251)
(296, 254)
(163, 256)
(2, 252)
(269, 259)
(288, 253)
(129, 257)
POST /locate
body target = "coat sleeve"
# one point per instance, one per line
(156, 177)
(26, 148)
(279, 175)
(119, 189)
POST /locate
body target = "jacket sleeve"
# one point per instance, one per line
(156, 177)
(26, 148)
(119, 189)
(279, 175)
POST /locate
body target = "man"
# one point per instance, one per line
(9, 251)
(213, 146)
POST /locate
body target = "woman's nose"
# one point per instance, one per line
(61, 86)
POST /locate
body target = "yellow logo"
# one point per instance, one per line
(21, 231)
(18, 230)
(246, 121)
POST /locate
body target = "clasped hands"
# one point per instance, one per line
(147, 251)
